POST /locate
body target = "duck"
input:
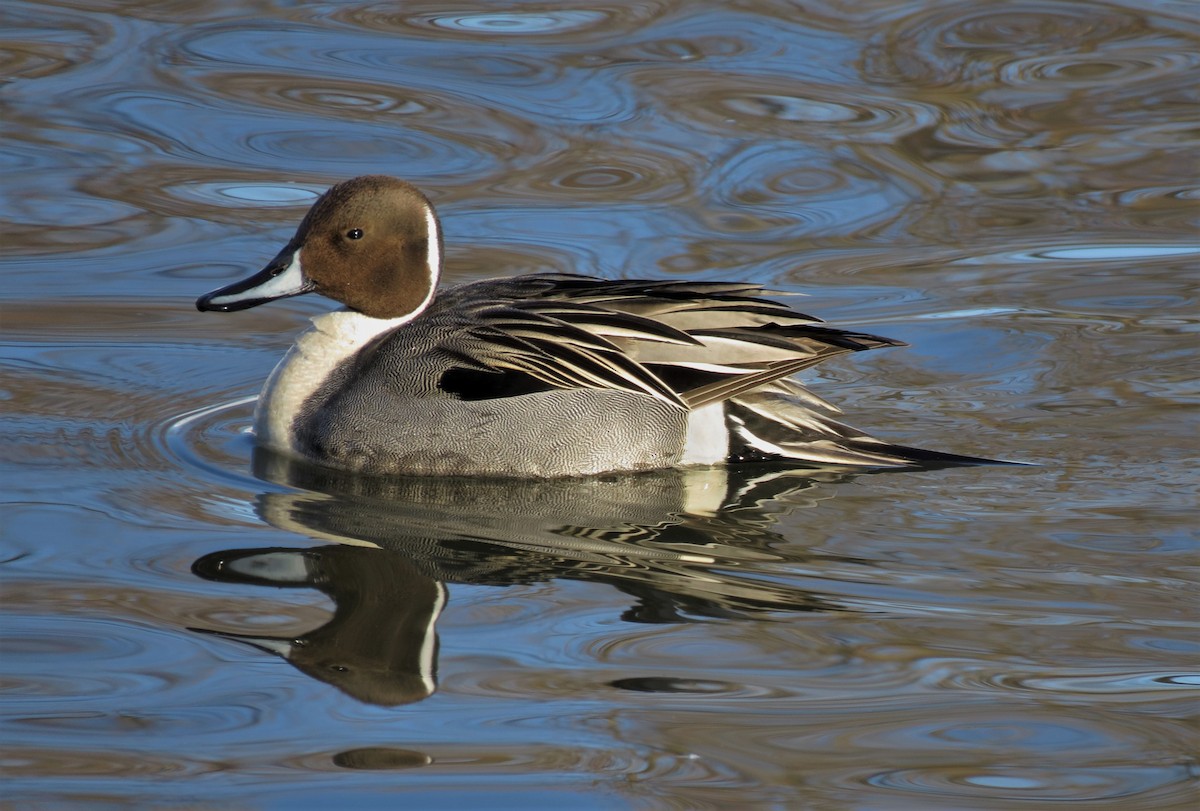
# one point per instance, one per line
(542, 375)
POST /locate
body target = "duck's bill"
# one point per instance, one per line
(281, 278)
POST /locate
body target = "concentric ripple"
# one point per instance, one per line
(519, 22)
(1095, 71)
(212, 438)
(1033, 784)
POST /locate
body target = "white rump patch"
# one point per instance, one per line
(707, 437)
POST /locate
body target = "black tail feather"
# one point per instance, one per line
(927, 459)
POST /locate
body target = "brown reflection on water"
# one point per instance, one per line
(1009, 187)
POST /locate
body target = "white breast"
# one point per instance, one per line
(333, 338)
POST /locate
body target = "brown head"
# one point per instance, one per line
(373, 243)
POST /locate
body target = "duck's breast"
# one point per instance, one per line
(320, 352)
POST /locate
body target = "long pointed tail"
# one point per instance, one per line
(927, 459)
(772, 427)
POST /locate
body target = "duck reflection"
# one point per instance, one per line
(684, 543)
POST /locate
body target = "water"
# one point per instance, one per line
(1011, 188)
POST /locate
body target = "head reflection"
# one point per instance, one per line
(379, 646)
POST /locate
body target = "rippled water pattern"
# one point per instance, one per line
(1012, 188)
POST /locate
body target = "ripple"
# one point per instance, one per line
(221, 195)
(336, 146)
(108, 660)
(963, 44)
(812, 181)
(1069, 72)
(531, 95)
(598, 177)
(1037, 24)
(666, 685)
(62, 206)
(740, 103)
(501, 26)
(331, 96)
(212, 438)
(73, 762)
(793, 108)
(1033, 783)
(247, 194)
(1120, 252)
(519, 22)
(50, 42)
(346, 136)
(43, 639)
(112, 412)
(690, 49)
(117, 721)
(979, 733)
(623, 178)
(1157, 196)
(490, 94)
(794, 186)
(1135, 684)
(352, 98)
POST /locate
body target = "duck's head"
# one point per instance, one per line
(372, 243)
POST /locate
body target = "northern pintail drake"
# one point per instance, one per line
(539, 375)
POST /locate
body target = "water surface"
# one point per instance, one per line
(1011, 188)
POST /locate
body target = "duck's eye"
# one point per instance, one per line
(354, 233)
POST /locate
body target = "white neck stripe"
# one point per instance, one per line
(434, 252)
(433, 260)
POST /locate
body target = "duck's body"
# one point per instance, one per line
(541, 375)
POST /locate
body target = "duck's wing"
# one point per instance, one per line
(687, 343)
(529, 326)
